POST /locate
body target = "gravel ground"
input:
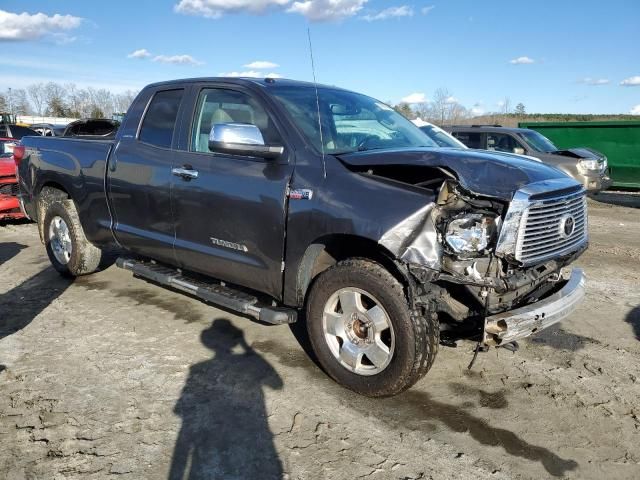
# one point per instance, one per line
(109, 375)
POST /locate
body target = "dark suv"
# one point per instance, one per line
(583, 164)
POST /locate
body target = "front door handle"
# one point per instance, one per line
(186, 172)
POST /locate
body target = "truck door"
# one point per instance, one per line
(139, 178)
(230, 211)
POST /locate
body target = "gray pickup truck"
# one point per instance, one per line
(272, 198)
(585, 165)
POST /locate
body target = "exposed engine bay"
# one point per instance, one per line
(449, 246)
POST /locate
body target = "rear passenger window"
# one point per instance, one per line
(470, 139)
(160, 120)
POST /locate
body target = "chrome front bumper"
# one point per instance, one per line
(515, 324)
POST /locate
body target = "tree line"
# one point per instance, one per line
(445, 110)
(64, 100)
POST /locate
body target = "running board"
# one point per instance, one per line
(215, 294)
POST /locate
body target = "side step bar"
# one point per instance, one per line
(209, 292)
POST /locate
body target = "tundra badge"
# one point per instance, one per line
(231, 245)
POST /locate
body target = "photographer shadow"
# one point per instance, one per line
(225, 433)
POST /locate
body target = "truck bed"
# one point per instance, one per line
(78, 166)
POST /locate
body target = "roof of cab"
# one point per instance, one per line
(263, 82)
(486, 128)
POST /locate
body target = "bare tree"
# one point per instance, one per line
(505, 106)
(37, 96)
(440, 105)
(21, 105)
(123, 101)
(55, 99)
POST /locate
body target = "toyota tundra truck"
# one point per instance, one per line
(282, 200)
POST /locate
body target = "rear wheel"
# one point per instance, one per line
(363, 332)
(68, 249)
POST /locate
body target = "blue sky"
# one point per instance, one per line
(553, 56)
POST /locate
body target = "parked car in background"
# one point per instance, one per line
(270, 196)
(584, 165)
(618, 140)
(440, 136)
(92, 127)
(48, 129)
(9, 203)
(15, 131)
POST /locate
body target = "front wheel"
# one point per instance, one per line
(363, 332)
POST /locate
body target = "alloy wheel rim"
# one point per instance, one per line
(60, 240)
(358, 331)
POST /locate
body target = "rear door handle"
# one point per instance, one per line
(186, 172)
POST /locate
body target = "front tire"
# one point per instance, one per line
(68, 249)
(363, 332)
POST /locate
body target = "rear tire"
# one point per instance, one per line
(378, 348)
(68, 249)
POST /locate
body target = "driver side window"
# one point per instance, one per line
(216, 106)
(501, 142)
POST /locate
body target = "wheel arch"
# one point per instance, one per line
(48, 192)
(328, 250)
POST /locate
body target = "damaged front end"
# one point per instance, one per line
(493, 270)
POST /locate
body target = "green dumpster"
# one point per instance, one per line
(618, 140)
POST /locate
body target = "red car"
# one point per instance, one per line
(9, 204)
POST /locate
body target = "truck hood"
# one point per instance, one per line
(484, 173)
(585, 153)
(7, 167)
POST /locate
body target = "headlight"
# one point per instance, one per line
(590, 164)
(470, 233)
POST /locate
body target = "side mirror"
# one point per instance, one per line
(241, 139)
(518, 150)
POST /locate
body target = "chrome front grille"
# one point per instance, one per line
(552, 227)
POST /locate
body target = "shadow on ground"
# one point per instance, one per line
(20, 305)
(633, 319)
(622, 199)
(425, 412)
(8, 250)
(558, 338)
(224, 432)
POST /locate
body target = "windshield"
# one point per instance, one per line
(442, 138)
(350, 122)
(538, 142)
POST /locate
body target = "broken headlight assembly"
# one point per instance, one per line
(471, 233)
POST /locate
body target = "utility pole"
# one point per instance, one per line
(10, 102)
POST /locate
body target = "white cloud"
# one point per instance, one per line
(140, 53)
(314, 10)
(327, 10)
(251, 74)
(217, 8)
(402, 11)
(25, 26)
(631, 82)
(415, 98)
(261, 65)
(477, 111)
(500, 103)
(522, 61)
(177, 59)
(427, 10)
(594, 81)
(635, 110)
(450, 100)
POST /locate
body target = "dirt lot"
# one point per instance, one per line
(109, 375)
